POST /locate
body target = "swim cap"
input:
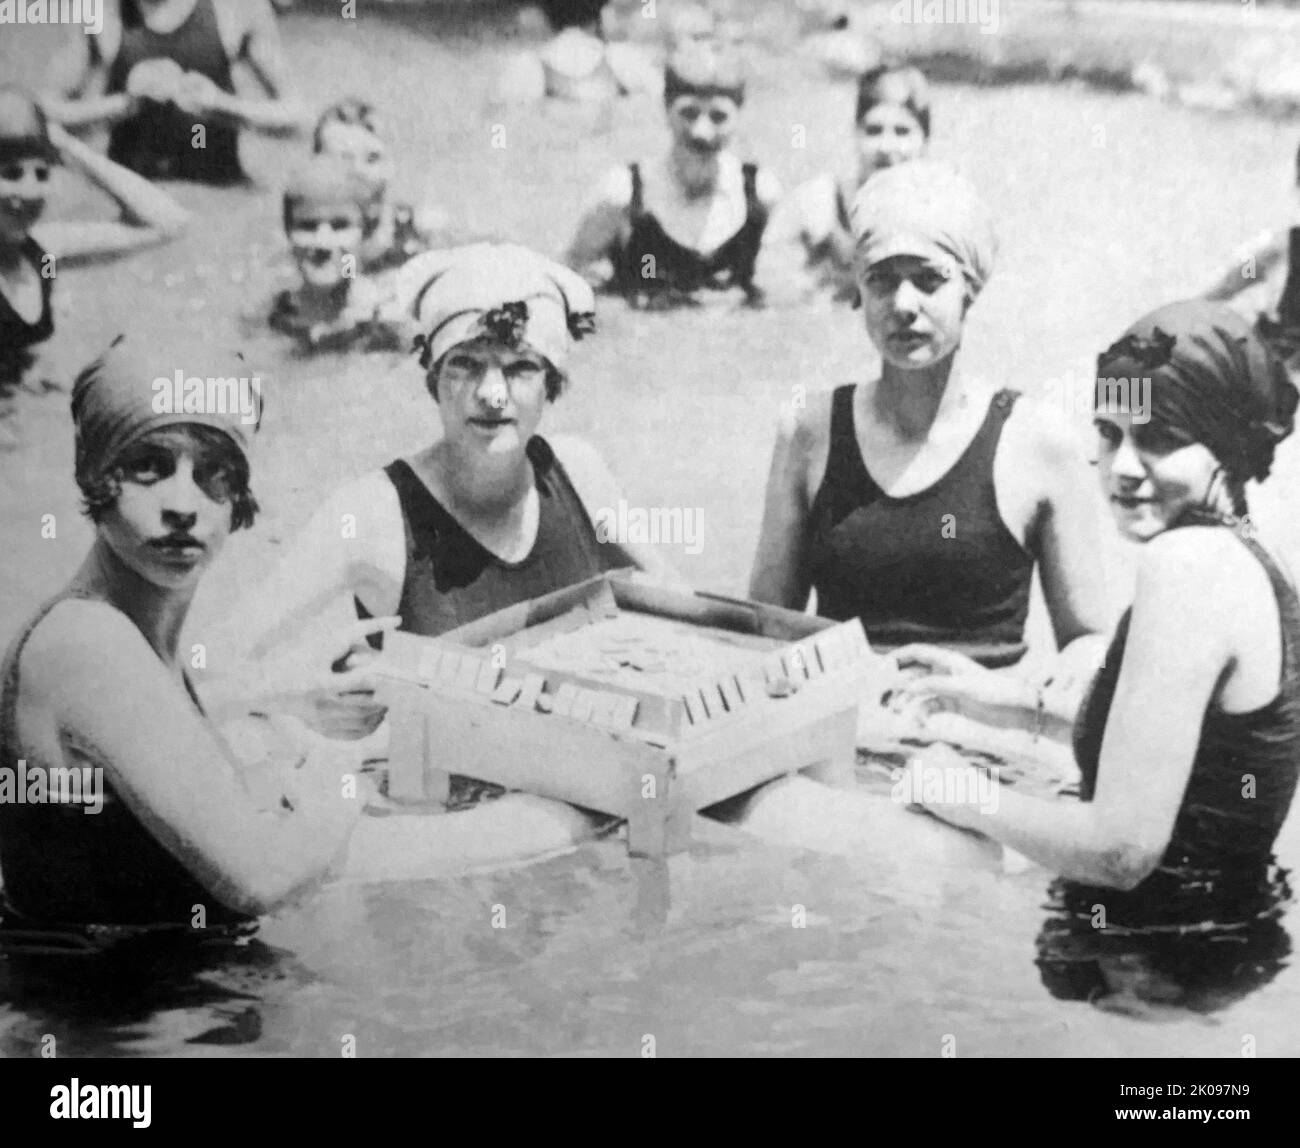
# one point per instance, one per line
(325, 181)
(922, 208)
(701, 69)
(1213, 381)
(24, 130)
(499, 291)
(121, 397)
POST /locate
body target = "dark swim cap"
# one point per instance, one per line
(1213, 381)
(701, 69)
(24, 130)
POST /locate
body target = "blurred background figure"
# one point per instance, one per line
(161, 77)
(693, 219)
(579, 63)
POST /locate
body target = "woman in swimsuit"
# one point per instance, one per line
(692, 222)
(487, 515)
(394, 231)
(1189, 741)
(922, 502)
(810, 234)
(32, 252)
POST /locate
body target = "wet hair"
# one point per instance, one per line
(897, 84)
(555, 380)
(562, 14)
(212, 449)
(352, 112)
(24, 129)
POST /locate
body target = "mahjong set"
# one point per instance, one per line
(628, 699)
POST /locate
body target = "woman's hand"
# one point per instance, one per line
(337, 703)
(984, 697)
(941, 782)
(158, 80)
(920, 658)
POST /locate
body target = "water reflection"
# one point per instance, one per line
(140, 997)
(1187, 940)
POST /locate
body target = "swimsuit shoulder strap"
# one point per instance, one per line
(845, 470)
(637, 205)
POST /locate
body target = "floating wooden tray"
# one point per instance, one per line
(485, 701)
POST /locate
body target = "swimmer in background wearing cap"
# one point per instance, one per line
(578, 65)
(394, 232)
(155, 81)
(336, 305)
(693, 221)
(33, 252)
(487, 515)
(809, 244)
(922, 502)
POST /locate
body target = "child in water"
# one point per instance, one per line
(335, 305)
(393, 231)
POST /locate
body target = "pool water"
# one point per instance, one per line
(742, 945)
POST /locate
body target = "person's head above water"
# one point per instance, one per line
(352, 131)
(504, 295)
(925, 247)
(26, 156)
(562, 14)
(164, 426)
(892, 117)
(325, 218)
(1190, 405)
(704, 88)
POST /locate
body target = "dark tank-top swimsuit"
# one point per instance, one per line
(678, 270)
(452, 579)
(158, 142)
(938, 566)
(17, 336)
(75, 881)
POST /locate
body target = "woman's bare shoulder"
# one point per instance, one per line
(81, 638)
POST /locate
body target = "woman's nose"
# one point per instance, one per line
(1126, 461)
(181, 497)
(907, 299)
(492, 390)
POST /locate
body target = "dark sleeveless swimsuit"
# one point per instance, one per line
(1205, 929)
(17, 336)
(75, 881)
(451, 579)
(680, 271)
(906, 569)
(157, 142)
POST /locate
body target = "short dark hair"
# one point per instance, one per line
(899, 84)
(212, 448)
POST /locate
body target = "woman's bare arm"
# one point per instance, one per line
(779, 574)
(113, 701)
(149, 215)
(1179, 646)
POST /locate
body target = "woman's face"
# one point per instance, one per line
(363, 151)
(1149, 477)
(490, 397)
(914, 309)
(322, 236)
(173, 514)
(888, 134)
(24, 189)
(703, 125)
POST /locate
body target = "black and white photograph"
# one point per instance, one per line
(650, 528)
